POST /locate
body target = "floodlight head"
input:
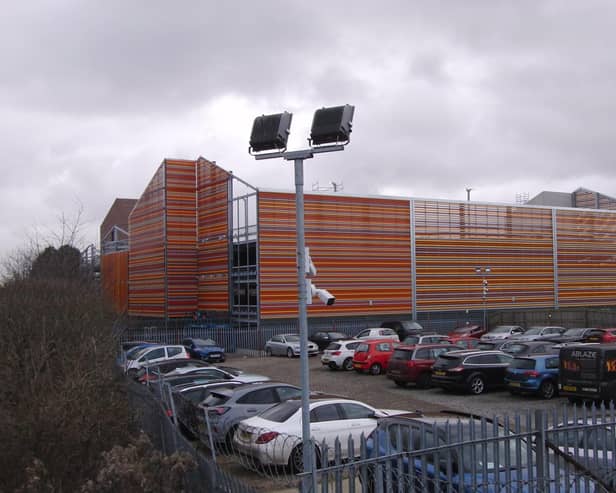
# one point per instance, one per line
(270, 132)
(332, 125)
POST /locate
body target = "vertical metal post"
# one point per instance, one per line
(303, 327)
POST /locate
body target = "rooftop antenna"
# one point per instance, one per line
(468, 194)
(332, 186)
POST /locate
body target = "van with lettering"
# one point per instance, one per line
(588, 372)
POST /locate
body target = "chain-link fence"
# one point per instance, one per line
(208, 476)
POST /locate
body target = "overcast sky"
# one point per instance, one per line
(504, 97)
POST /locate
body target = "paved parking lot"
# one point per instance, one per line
(381, 392)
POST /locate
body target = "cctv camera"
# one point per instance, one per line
(325, 296)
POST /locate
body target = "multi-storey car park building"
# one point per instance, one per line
(200, 240)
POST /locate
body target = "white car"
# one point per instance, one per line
(274, 437)
(501, 332)
(218, 374)
(538, 333)
(339, 355)
(378, 333)
(154, 354)
(288, 345)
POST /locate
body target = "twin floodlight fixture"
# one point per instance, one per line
(330, 126)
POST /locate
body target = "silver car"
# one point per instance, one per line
(227, 407)
(288, 345)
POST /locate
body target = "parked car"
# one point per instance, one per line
(403, 328)
(589, 442)
(153, 354)
(274, 437)
(378, 333)
(538, 333)
(465, 331)
(472, 370)
(288, 345)
(607, 336)
(205, 349)
(588, 372)
(323, 338)
(523, 348)
(572, 335)
(534, 374)
(227, 407)
(501, 332)
(412, 364)
(373, 355)
(186, 399)
(339, 354)
(431, 338)
(471, 465)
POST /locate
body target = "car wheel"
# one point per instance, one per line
(424, 381)
(296, 459)
(375, 369)
(289, 353)
(547, 389)
(476, 385)
(332, 366)
(400, 383)
(348, 364)
(268, 351)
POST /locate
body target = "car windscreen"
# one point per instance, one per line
(514, 348)
(533, 331)
(402, 354)
(292, 338)
(333, 346)
(522, 364)
(281, 412)
(501, 329)
(338, 335)
(135, 353)
(573, 332)
(204, 342)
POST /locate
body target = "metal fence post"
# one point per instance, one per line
(209, 434)
(540, 451)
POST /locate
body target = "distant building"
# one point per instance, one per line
(581, 198)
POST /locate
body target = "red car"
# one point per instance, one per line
(372, 356)
(413, 363)
(601, 335)
(475, 331)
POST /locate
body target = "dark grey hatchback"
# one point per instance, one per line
(472, 371)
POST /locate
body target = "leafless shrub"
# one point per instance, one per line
(139, 467)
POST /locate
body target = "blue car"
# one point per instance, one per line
(534, 374)
(446, 453)
(204, 349)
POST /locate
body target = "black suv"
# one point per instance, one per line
(403, 328)
(473, 371)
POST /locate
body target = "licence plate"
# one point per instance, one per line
(325, 359)
(245, 435)
(440, 373)
(356, 365)
(514, 384)
(569, 388)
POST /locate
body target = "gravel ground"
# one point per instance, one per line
(381, 392)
